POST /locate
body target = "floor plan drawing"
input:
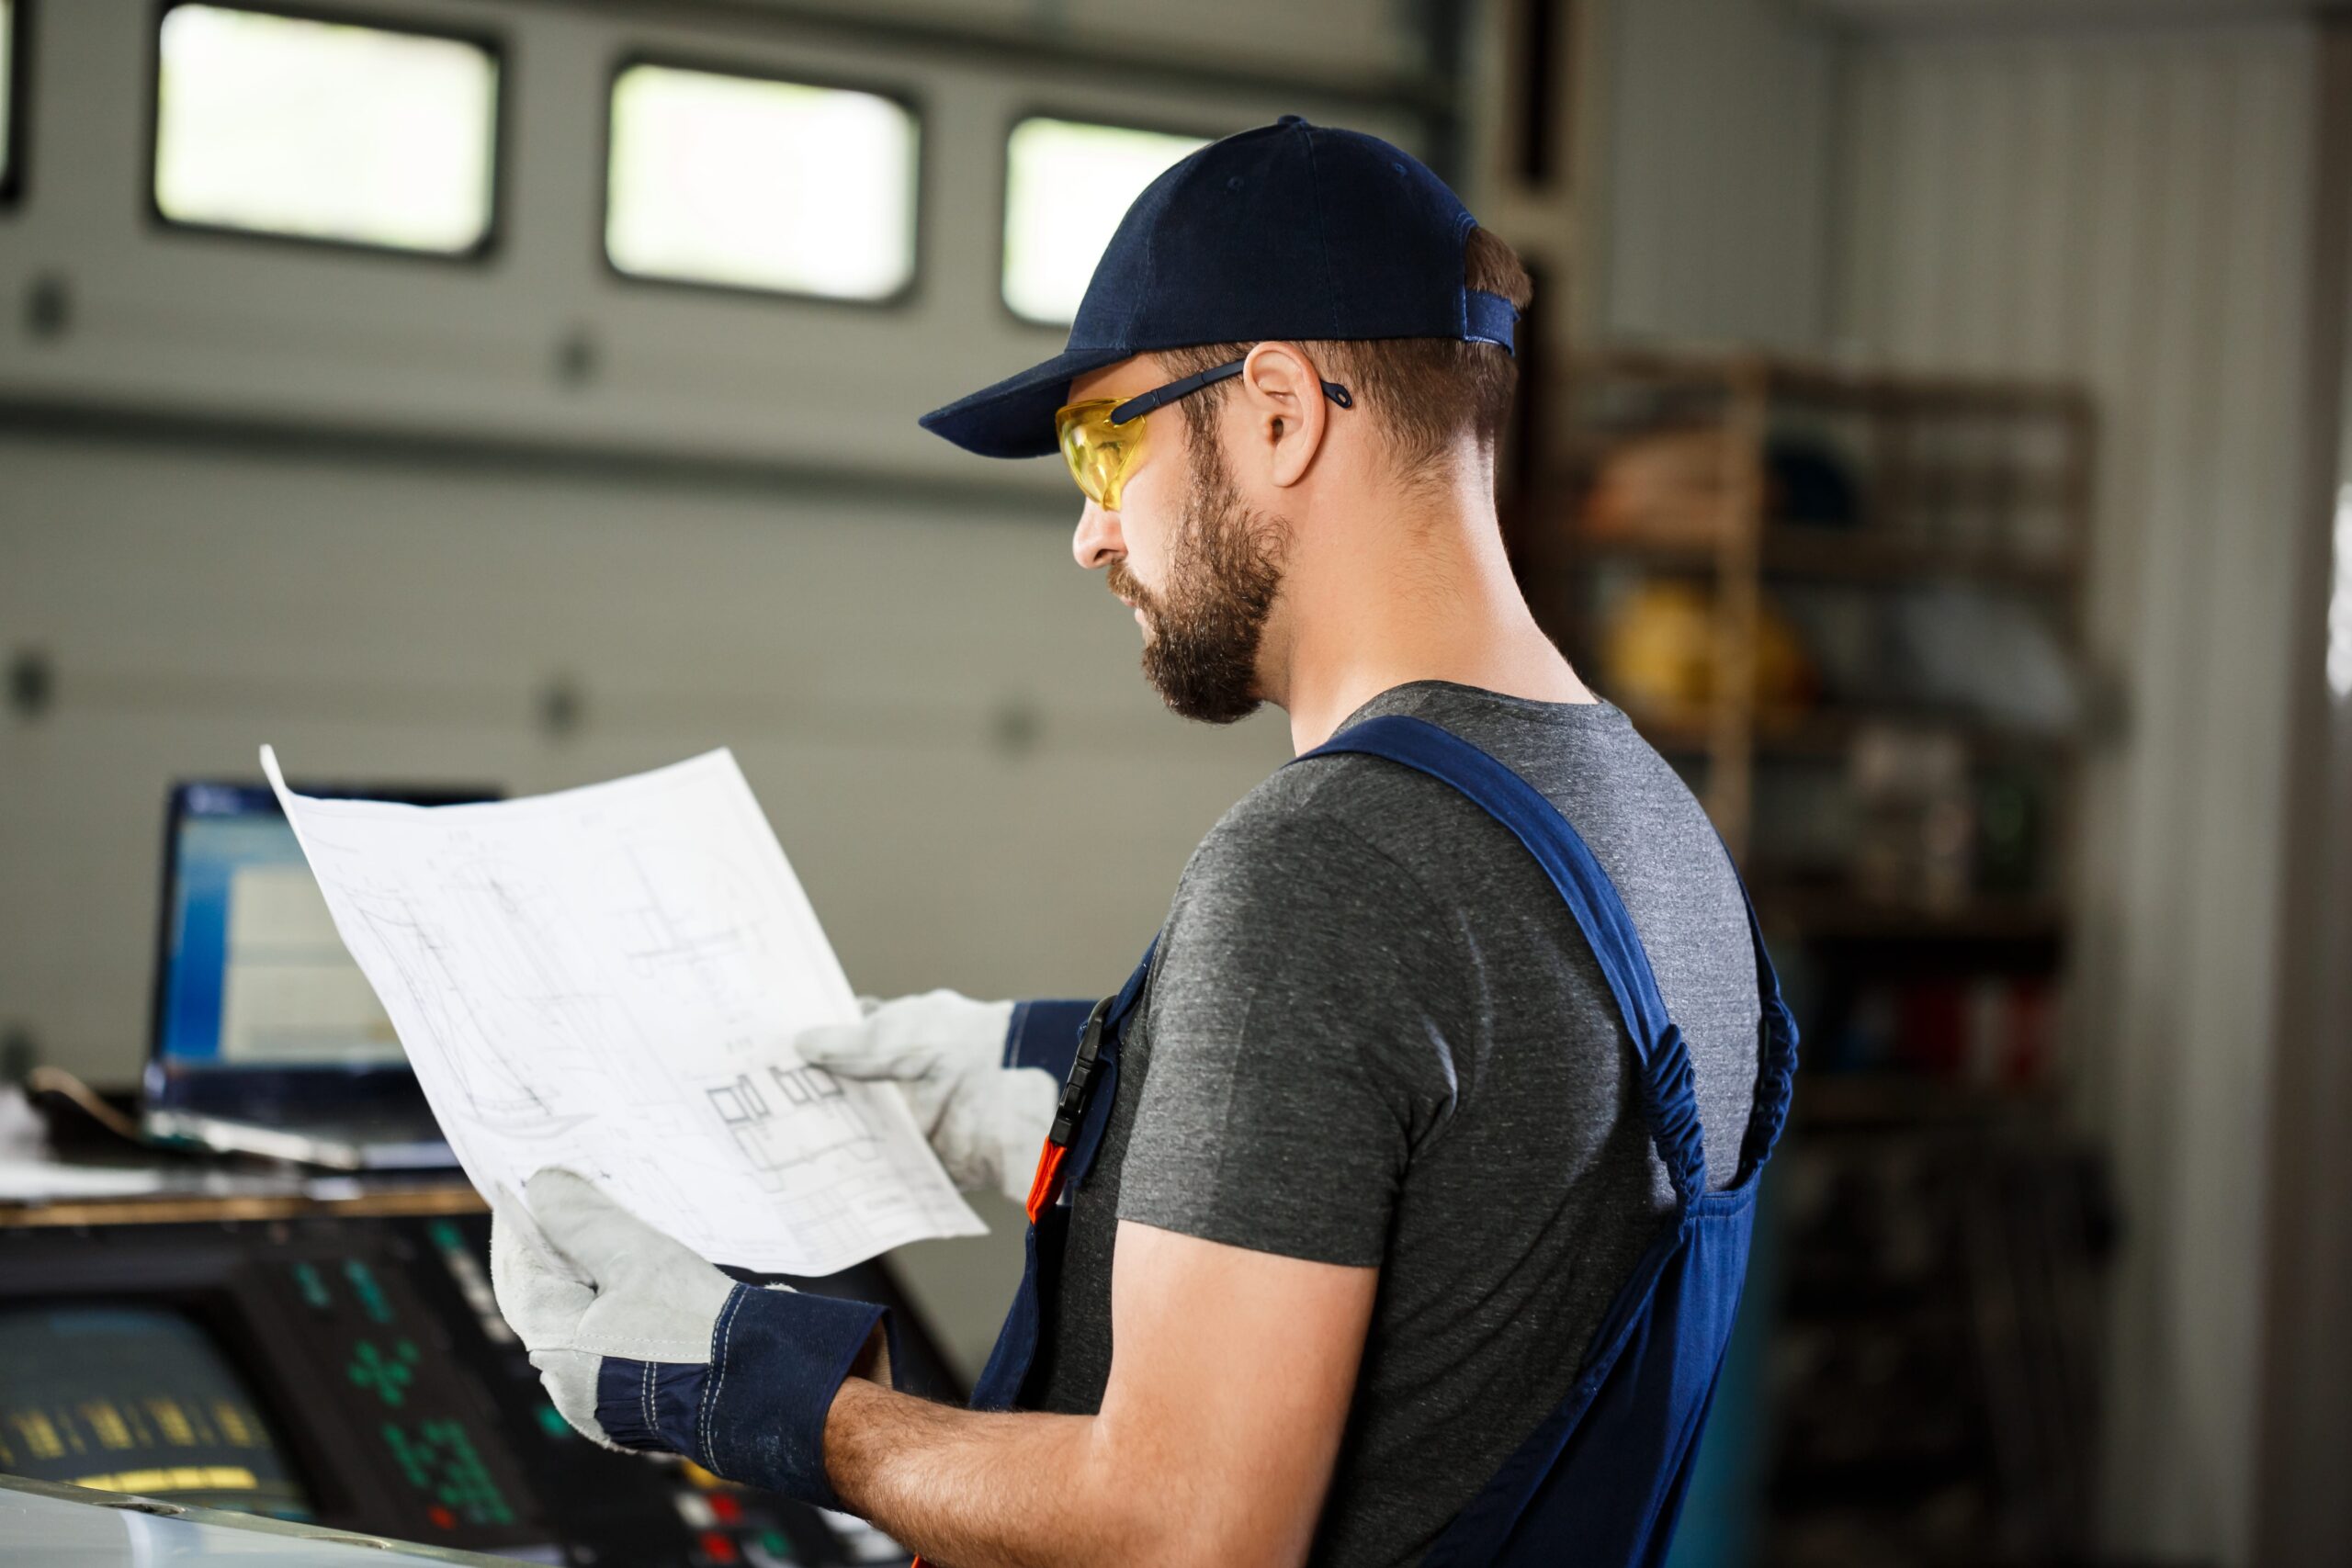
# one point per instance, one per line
(610, 979)
(791, 1117)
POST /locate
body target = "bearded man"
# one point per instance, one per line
(1395, 1209)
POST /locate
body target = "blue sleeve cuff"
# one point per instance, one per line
(756, 1411)
(1044, 1034)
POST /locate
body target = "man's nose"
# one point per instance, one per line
(1097, 542)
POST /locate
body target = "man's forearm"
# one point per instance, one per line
(984, 1489)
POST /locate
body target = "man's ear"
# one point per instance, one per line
(1284, 395)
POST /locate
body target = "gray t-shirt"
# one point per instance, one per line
(1374, 1036)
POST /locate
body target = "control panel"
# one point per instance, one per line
(354, 1372)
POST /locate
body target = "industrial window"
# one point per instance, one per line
(749, 183)
(12, 99)
(274, 124)
(1066, 185)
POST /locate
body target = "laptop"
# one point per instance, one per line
(266, 1038)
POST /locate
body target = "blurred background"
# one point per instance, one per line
(1931, 430)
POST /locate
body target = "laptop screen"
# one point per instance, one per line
(258, 1006)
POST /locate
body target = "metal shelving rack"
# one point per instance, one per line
(1902, 433)
(1928, 1366)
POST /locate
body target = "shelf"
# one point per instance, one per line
(1859, 556)
(1910, 1103)
(1829, 914)
(1859, 1297)
(1828, 734)
(1814, 382)
(1912, 1473)
(1795, 551)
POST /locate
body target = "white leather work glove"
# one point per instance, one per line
(984, 1121)
(635, 1337)
(632, 1292)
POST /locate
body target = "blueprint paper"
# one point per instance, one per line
(610, 979)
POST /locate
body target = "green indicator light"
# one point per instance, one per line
(553, 1423)
(313, 1288)
(775, 1544)
(389, 1377)
(370, 1293)
(444, 1237)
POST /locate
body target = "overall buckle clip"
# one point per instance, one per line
(1078, 1087)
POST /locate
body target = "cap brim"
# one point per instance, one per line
(1016, 417)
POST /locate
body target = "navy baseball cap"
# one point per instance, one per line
(1290, 231)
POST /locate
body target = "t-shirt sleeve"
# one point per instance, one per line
(1297, 1045)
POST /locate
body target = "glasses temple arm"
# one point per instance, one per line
(1160, 397)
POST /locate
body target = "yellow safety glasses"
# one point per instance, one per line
(1098, 452)
(1103, 437)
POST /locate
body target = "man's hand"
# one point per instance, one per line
(984, 1121)
(632, 1292)
(643, 1344)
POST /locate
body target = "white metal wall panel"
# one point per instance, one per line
(1320, 35)
(234, 329)
(1718, 119)
(2132, 209)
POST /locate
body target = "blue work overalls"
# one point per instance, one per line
(1601, 1480)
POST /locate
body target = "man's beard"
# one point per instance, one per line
(1224, 571)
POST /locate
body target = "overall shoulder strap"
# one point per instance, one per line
(1776, 1067)
(1670, 1101)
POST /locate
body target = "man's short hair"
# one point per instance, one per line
(1425, 393)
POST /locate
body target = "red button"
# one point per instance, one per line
(717, 1547)
(442, 1516)
(729, 1509)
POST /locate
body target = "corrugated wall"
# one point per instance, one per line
(1716, 122)
(2132, 209)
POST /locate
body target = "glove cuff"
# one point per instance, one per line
(649, 1405)
(756, 1411)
